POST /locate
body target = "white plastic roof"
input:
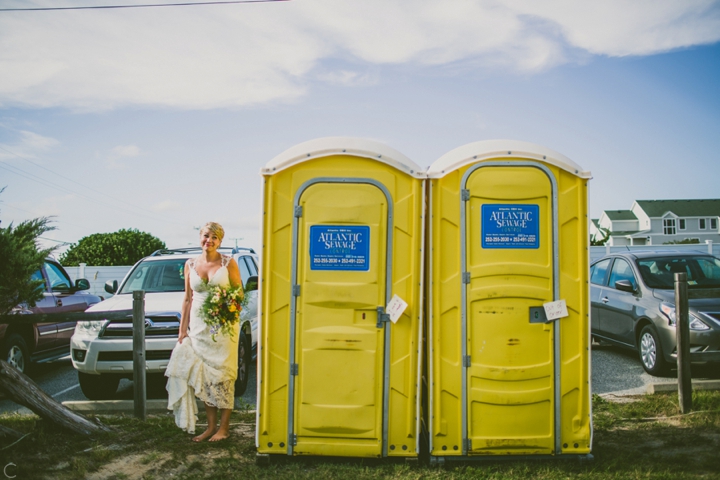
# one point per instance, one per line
(492, 149)
(323, 147)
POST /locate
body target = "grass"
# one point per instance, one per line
(647, 438)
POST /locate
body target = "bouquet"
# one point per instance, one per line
(221, 309)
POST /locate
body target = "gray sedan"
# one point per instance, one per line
(633, 304)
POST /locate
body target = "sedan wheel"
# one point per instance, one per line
(650, 351)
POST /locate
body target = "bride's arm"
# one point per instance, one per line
(234, 273)
(185, 309)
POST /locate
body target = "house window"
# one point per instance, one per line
(702, 224)
(713, 224)
(681, 224)
(669, 226)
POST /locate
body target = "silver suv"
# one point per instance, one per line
(102, 350)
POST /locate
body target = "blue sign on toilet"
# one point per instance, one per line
(339, 247)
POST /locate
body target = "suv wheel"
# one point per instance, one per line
(651, 354)
(98, 387)
(244, 360)
(15, 352)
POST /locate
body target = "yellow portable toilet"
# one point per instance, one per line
(508, 326)
(339, 356)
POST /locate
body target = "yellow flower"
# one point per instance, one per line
(232, 308)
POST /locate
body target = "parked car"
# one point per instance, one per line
(102, 351)
(633, 304)
(41, 342)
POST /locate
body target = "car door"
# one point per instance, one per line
(66, 299)
(248, 269)
(598, 277)
(617, 307)
(47, 331)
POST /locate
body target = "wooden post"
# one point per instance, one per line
(139, 353)
(682, 335)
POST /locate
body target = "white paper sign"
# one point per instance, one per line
(555, 310)
(395, 308)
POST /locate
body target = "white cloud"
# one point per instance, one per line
(119, 153)
(28, 145)
(238, 55)
(166, 205)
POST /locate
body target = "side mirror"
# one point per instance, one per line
(111, 286)
(251, 283)
(625, 286)
(82, 284)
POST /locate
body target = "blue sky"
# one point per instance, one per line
(160, 119)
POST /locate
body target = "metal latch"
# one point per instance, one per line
(468, 444)
(382, 317)
(537, 315)
(465, 194)
(294, 369)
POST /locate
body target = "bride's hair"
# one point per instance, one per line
(215, 228)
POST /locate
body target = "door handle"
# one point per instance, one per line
(59, 303)
(605, 299)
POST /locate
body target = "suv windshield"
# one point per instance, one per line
(702, 272)
(157, 276)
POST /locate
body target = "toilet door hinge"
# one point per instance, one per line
(296, 290)
(293, 439)
(466, 277)
(382, 317)
(465, 194)
(466, 361)
(298, 211)
(294, 369)
(468, 444)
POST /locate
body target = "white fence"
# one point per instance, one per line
(98, 276)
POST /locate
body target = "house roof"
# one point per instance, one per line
(681, 208)
(596, 222)
(620, 215)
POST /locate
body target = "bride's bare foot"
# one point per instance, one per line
(221, 434)
(207, 433)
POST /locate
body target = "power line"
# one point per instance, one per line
(71, 180)
(106, 7)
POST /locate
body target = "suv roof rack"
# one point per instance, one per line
(171, 251)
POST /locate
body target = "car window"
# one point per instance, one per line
(621, 271)
(58, 280)
(244, 271)
(157, 276)
(702, 271)
(37, 276)
(599, 271)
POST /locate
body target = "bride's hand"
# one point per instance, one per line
(182, 336)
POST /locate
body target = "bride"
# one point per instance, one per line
(200, 366)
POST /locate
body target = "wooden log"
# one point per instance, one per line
(22, 390)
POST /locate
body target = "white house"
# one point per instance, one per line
(655, 222)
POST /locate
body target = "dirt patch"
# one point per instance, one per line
(130, 467)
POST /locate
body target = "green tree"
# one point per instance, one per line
(124, 247)
(606, 235)
(20, 257)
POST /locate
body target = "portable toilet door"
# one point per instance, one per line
(343, 227)
(508, 249)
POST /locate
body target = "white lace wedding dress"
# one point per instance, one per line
(200, 367)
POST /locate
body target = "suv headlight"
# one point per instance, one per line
(668, 309)
(89, 329)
